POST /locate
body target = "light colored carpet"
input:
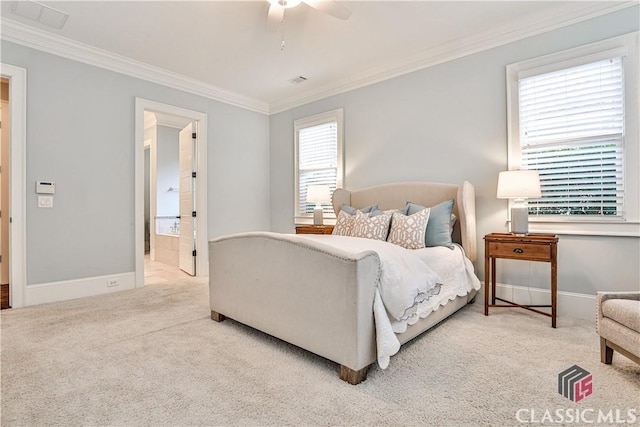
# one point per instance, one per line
(152, 356)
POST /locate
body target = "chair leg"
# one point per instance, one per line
(606, 352)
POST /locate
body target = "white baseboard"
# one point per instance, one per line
(70, 289)
(569, 304)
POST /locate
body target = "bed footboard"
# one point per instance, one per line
(308, 294)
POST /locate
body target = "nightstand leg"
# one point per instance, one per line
(493, 281)
(486, 280)
(554, 286)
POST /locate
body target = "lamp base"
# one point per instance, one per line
(519, 220)
(317, 216)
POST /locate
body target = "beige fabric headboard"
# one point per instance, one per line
(396, 196)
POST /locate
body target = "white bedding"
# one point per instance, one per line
(413, 284)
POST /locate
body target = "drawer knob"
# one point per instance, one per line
(518, 250)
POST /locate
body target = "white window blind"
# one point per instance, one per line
(319, 160)
(571, 132)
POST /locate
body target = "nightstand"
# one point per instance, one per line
(314, 229)
(530, 247)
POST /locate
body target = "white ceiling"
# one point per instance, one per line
(226, 45)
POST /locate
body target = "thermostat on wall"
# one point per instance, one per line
(45, 187)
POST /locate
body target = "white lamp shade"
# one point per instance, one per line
(318, 194)
(520, 184)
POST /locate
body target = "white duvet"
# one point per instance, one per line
(413, 284)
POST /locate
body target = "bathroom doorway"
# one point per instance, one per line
(170, 188)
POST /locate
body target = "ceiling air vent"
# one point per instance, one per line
(297, 80)
(39, 12)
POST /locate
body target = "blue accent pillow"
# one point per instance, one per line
(439, 227)
(352, 211)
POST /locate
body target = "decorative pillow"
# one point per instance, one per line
(376, 210)
(344, 224)
(376, 227)
(409, 231)
(352, 211)
(439, 227)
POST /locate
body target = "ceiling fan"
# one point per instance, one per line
(278, 7)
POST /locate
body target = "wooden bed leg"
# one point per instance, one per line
(606, 352)
(351, 376)
(217, 316)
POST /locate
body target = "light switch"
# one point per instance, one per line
(45, 201)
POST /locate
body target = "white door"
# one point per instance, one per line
(187, 143)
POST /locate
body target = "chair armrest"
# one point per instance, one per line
(601, 297)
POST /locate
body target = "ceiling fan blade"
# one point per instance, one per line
(330, 7)
(274, 17)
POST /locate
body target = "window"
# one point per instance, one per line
(571, 132)
(318, 157)
(570, 119)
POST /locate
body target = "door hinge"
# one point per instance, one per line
(1, 257)
(193, 135)
(193, 214)
(193, 253)
(193, 174)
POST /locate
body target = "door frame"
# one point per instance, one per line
(202, 259)
(17, 205)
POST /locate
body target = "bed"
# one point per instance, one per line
(325, 297)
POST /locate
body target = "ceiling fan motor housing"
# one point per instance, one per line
(285, 3)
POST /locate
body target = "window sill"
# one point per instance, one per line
(584, 228)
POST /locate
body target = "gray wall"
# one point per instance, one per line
(80, 134)
(448, 123)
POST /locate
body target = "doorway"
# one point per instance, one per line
(14, 207)
(5, 164)
(183, 222)
(170, 202)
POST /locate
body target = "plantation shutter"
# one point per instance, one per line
(571, 132)
(317, 162)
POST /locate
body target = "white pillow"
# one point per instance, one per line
(376, 227)
(344, 224)
(409, 231)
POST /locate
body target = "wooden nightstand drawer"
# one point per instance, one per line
(526, 251)
(314, 229)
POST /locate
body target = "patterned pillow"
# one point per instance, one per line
(376, 227)
(409, 231)
(344, 224)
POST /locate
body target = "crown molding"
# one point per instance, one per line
(45, 41)
(32, 37)
(450, 51)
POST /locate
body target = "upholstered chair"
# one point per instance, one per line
(618, 325)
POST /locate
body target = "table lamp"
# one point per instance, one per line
(318, 194)
(519, 185)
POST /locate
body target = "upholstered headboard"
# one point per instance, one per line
(396, 196)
